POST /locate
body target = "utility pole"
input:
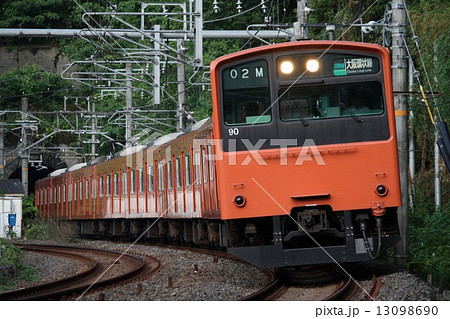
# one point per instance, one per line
(181, 75)
(128, 106)
(301, 31)
(2, 160)
(23, 152)
(399, 82)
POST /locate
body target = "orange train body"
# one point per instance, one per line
(262, 177)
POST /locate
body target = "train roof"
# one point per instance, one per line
(160, 140)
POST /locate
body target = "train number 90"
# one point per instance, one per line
(233, 131)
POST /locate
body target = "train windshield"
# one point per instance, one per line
(328, 101)
(246, 99)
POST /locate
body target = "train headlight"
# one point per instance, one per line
(381, 190)
(286, 67)
(312, 65)
(239, 201)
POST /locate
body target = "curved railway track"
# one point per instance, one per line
(345, 286)
(103, 268)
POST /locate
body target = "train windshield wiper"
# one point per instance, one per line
(351, 113)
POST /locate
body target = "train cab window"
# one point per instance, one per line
(116, 183)
(161, 175)
(178, 170)
(133, 181)
(124, 183)
(187, 164)
(151, 180)
(246, 99)
(331, 101)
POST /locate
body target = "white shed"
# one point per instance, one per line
(11, 195)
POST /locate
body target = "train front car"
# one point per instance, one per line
(307, 162)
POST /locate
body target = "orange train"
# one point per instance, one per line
(297, 165)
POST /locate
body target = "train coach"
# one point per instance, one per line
(297, 165)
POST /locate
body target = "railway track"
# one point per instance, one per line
(101, 268)
(334, 284)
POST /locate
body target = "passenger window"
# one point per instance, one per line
(169, 174)
(178, 171)
(161, 175)
(141, 179)
(124, 183)
(187, 163)
(116, 183)
(133, 181)
(151, 177)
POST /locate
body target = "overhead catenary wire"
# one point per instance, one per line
(415, 39)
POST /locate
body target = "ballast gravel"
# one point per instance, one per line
(196, 276)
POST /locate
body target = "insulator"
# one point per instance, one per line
(263, 6)
(216, 6)
(238, 6)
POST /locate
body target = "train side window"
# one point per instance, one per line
(161, 175)
(198, 172)
(169, 175)
(210, 162)
(205, 168)
(116, 183)
(45, 196)
(141, 179)
(70, 192)
(124, 182)
(87, 189)
(54, 195)
(108, 184)
(187, 163)
(133, 181)
(75, 190)
(81, 189)
(94, 188)
(178, 170)
(102, 185)
(150, 178)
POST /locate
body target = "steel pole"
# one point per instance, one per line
(24, 152)
(400, 84)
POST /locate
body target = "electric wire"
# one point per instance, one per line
(415, 39)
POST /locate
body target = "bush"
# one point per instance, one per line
(429, 238)
(11, 265)
(50, 229)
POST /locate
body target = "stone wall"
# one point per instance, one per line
(48, 58)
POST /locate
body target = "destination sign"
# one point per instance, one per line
(248, 75)
(355, 65)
